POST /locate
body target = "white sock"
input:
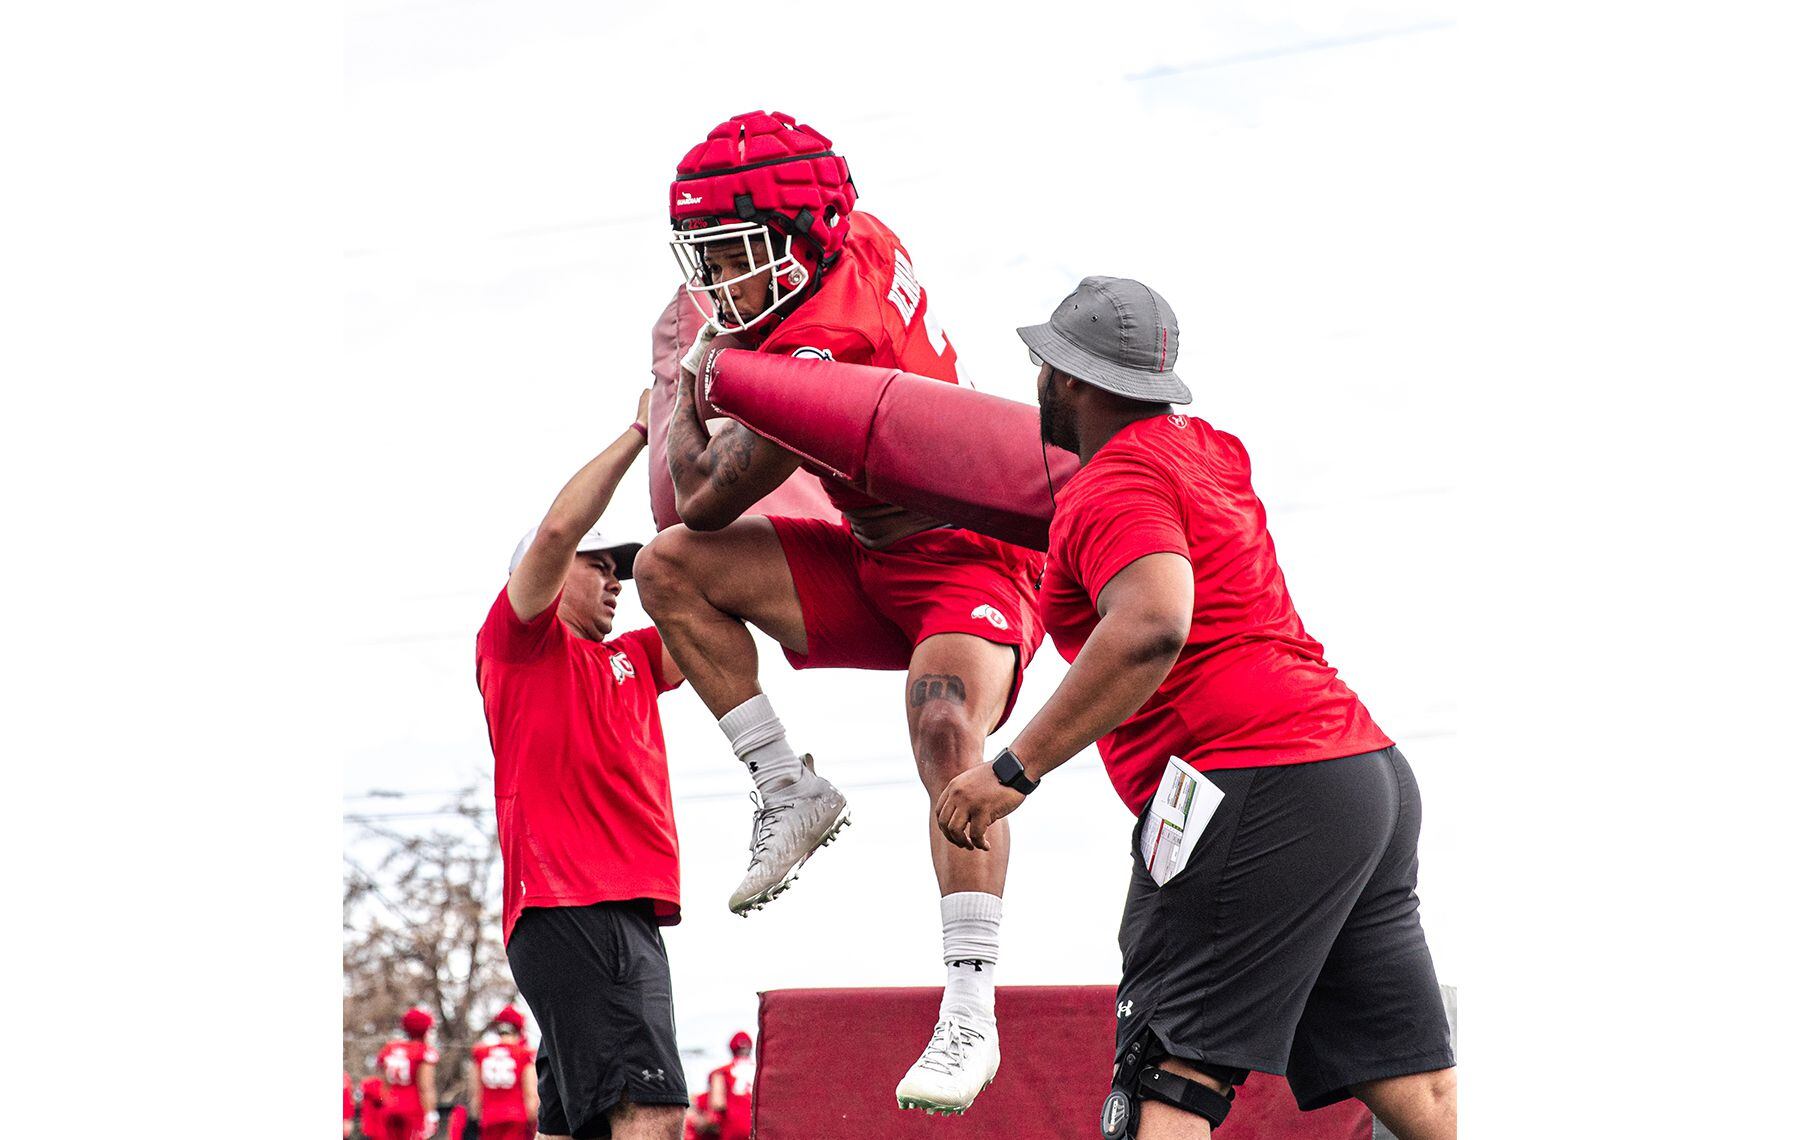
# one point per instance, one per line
(971, 947)
(761, 743)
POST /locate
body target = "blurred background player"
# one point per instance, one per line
(408, 1067)
(349, 1106)
(586, 823)
(699, 1124)
(766, 229)
(728, 1090)
(370, 1101)
(503, 1094)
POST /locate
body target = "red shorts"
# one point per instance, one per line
(503, 1130)
(868, 609)
(404, 1125)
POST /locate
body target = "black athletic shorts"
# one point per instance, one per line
(597, 980)
(1290, 943)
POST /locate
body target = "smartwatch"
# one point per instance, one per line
(1010, 772)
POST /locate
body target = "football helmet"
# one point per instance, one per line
(509, 1015)
(761, 195)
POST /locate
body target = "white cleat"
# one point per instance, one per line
(960, 1061)
(785, 830)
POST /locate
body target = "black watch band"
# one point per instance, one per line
(1010, 772)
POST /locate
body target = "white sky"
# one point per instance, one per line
(1281, 181)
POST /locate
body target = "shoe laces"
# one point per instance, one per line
(950, 1045)
(762, 826)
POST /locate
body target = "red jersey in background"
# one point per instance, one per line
(374, 1096)
(869, 309)
(399, 1062)
(689, 1129)
(501, 1069)
(740, 1078)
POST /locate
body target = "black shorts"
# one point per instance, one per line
(1290, 943)
(597, 980)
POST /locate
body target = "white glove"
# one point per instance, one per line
(431, 1123)
(696, 355)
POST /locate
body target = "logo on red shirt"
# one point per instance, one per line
(1178, 420)
(621, 667)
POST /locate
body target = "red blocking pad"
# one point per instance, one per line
(828, 1061)
(952, 453)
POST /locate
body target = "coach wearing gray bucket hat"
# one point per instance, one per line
(1272, 922)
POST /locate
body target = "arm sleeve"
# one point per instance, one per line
(646, 645)
(844, 345)
(504, 637)
(1128, 510)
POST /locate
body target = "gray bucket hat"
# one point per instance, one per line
(1116, 334)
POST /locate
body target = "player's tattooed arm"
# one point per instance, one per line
(718, 477)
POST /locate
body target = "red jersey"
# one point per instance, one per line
(501, 1069)
(690, 1129)
(581, 778)
(399, 1062)
(869, 309)
(373, 1097)
(1250, 688)
(740, 1078)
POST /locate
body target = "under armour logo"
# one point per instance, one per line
(974, 962)
(653, 1074)
(1124, 1009)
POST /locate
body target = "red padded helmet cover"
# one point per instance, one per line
(786, 168)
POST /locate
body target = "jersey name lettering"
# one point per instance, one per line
(905, 291)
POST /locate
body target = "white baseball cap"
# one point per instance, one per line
(624, 553)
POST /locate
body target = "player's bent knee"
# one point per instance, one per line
(661, 571)
(946, 743)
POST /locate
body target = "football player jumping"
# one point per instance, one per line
(776, 254)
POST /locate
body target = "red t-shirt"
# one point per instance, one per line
(740, 1078)
(399, 1062)
(581, 777)
(869, 309)
(1250, 689)
(501, 1070)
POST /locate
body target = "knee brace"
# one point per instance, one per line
(1136, 1077)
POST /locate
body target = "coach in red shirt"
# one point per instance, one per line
(587, 830)
(1288, 940)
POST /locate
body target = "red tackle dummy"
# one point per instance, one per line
(973, 460)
